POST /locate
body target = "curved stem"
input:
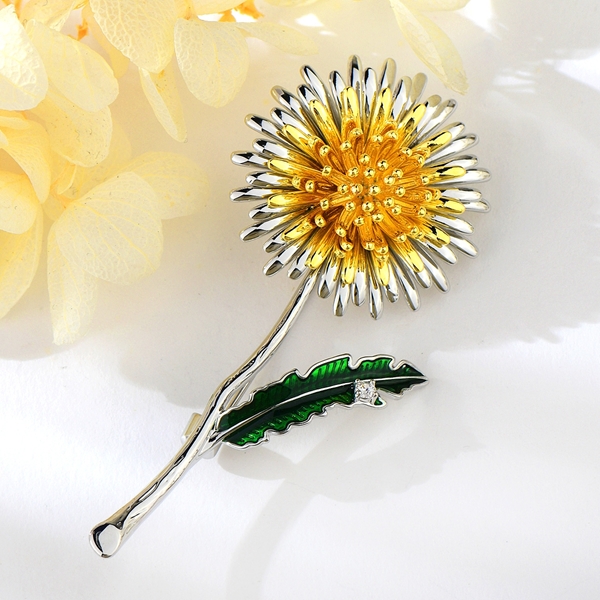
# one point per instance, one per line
(107, 537)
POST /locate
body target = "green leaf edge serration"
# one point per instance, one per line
(296, 398)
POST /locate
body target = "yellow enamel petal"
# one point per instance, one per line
(161, 91)
(23, 80)
(433, 5)
(180, 185)
(13, 120)
(142, 31)
(285, 38)
(114, 232)
(3, 140)
(53, 13)
(73, 293)
(80, 136)
(19, 258)
(432, 46)
(118, 60)
(213, 58)
(18, 203)
(77, 72)
(30, 148)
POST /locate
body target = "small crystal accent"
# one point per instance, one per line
(365, 391)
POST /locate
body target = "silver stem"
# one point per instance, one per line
(107, 537)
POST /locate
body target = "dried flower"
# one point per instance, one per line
(212, 55)
(362, 183)
(70, 162)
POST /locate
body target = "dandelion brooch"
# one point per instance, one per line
(361, 187)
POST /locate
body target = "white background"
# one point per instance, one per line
(483, 485)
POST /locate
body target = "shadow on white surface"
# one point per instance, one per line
(426, 431)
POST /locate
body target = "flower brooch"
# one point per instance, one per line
(362, 188)
(364, 184)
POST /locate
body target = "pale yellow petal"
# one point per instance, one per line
(80, 136)
(210, 7)
(161, 91)
(19, 259)
(432, 46)
(181, 186)
(13, 120)
(18, 203)
(3, 140)
(53, 13)
(142, 31)
(73, 293)
(288, 3)
(30, 148)
(77, 71)
(87, 178)
(118, 60)
(53, 207)
(23, 80)
(114, 232)
(433, 5)
(282, 37)
(213, 58)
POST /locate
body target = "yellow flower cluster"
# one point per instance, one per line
(62, 157)
(212, 56)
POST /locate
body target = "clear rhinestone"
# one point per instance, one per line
(365, 391)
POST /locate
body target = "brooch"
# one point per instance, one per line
(361, 187)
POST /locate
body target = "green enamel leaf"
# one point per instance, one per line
(296, 398)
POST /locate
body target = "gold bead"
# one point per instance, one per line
(428, 196)
(388, 202)
(326, 170)
(420, 160)
(339, 253)
(369, 246)
(365, 159)
(309, 186)
(359, 221)
(393, 135)
(382, 165)
(422, 211)
(401, 237)
(346, 245)
(345, 146)
(400, 191)
(368, 206)
(397, 173)
(377, 217)
(324, 204)
(320, 221)
(389, 180)
(324, 150)
(296, 181)
(356, 132)
(341, 231)
(370, 172)
(414, 231)
(356, 189)
(425, 179)
(377, 139)
(382, 250)
(350, 206)
(396, 210)
(343, 188)
(407, 151)
(374, 190)
(353, 172)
